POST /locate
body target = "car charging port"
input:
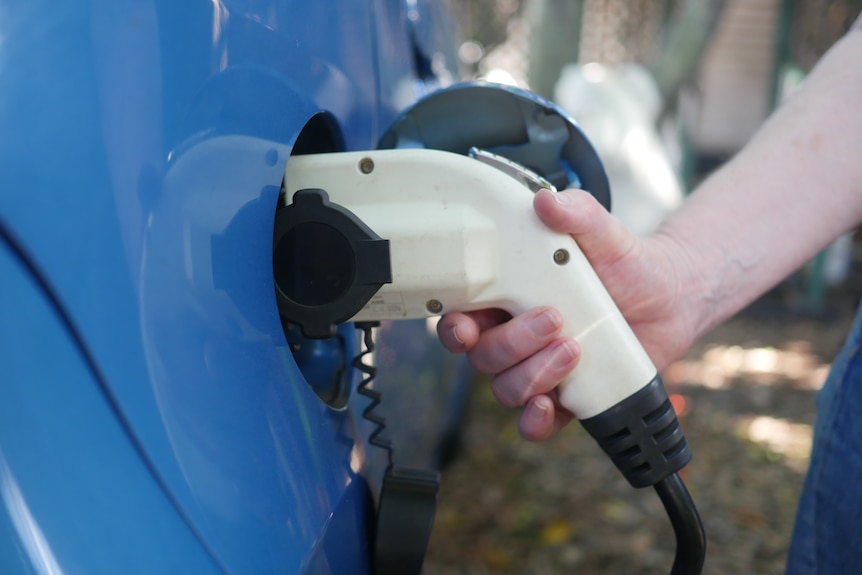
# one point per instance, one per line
(324, 363)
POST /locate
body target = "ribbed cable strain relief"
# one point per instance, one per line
(642, 436)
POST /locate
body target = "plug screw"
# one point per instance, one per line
(366, 165)
(561, 257)
(434, 306)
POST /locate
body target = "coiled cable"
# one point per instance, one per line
(364, 389)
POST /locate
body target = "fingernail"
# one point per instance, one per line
(544, 324)
(564, 354)
(453, 332)
(537, 411)
(562, 198)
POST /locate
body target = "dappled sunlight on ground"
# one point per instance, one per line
(791, 441)
(746, 399)
(720, 365)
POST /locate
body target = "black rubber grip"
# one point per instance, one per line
(642, 436)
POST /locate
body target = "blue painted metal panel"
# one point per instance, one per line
(75, 496)
(416, 53)
(143, 147)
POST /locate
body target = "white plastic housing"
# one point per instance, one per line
(464, 234)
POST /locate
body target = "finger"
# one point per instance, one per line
(458, 332)
(508, 344)
(536, 375)
(488, 318)
(537, 420)
(602, 237)
(543, 418)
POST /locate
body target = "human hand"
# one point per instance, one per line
(526, 355)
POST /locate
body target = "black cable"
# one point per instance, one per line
(408, 497)
(642, 436)
(690, 536)
(364, 388)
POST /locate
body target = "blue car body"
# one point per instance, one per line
(152, 416)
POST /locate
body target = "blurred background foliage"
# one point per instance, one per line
(677, 40)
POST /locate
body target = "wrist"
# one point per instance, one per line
(692, 294)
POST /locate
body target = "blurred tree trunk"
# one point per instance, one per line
(555, 39)
(685, 44)
(556, 35)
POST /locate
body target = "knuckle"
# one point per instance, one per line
(534, 386)
(507, 347)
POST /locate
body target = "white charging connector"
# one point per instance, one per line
(463, 236)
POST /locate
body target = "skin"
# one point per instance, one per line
(788, 194)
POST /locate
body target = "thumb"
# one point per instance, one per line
(603, 238)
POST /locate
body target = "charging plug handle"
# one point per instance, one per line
(642, 435)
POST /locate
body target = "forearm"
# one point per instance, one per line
(791, 191)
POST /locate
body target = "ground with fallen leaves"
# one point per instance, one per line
(747, 399)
